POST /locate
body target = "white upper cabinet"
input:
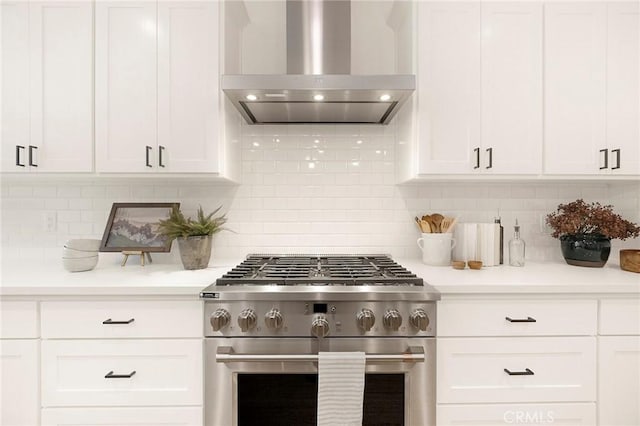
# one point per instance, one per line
(591, 88)
(47, 87)
(188, 86)
(448, 86)
(511, 88)
(157, 79)
(479, 88)
(623, 87)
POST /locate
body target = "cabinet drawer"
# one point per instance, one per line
(620, 317)
(517, 318)
(520, 414)
(143, 416)
(18, 320)
(121, 319)
(167, 372)
(558, 369)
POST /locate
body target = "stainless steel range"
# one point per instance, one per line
(267, 319)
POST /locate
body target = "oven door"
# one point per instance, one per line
(274, 381)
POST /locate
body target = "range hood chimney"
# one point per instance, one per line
(318, 87)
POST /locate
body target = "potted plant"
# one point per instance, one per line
(585, 231)
(194, 236)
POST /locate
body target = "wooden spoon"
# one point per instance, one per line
(446, 223)
(436, 219)
(426, 226)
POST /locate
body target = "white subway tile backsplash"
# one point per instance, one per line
(325, 189)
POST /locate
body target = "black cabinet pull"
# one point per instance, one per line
(528, 319)
(110, 321)
(110, 375)
(31, 163)
(477, 152)
(160, 163)
(617, 151)
(148, 150)
(490, 151)
(526, 372)
(18, 149)
(606, 159)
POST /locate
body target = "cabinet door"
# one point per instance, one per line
(574, 92)
(619, 380)
(126, 85)
(19, 382)
(511, 88)
(623, 87)
(61, 75)
(448, 86)
(188, 86)
(14, 134)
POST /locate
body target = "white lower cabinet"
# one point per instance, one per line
(517, 414)
(121, 373)
(19, 375)
(519, 369)
(619, 363)
(518, 361)
(19, 363)
(139, 416)
(121, 362)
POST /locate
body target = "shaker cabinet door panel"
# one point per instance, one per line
(448, 86)
(623, 87)
(19, 382)
(188, 87)
(15, 86)
(574, 87)
(511, 88)
(126, 86)
(61, 86)
(619, 380)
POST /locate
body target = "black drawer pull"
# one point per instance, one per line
(528, 319)
(526, 372)
(110, 375)
(490, 151)
(160, 162)
(110, 321)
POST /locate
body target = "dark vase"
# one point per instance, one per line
(590, 250)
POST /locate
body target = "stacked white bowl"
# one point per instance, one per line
(80, 255)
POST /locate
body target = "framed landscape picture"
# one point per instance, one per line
(134, 227)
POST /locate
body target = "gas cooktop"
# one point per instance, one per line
(320, 270)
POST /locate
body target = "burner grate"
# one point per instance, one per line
(320, 270)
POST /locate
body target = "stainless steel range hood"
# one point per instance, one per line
(318, 87)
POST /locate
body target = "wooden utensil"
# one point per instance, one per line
(436, 219)
(426, 226)
(448, 223)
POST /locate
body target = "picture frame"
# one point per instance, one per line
(133, 227)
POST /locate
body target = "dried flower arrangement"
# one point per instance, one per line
(579, 217)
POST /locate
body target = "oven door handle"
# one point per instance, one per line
(227, 354)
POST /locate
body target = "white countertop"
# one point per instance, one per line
(110, 279)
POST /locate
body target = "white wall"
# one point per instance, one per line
(305, 189)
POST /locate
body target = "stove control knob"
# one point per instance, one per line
(366, 319)
(419, 319)
(392, 320)
(247, 320)
(273, 319)
(219, 319)
(320, 327)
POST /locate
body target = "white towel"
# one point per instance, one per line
(340, 388)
